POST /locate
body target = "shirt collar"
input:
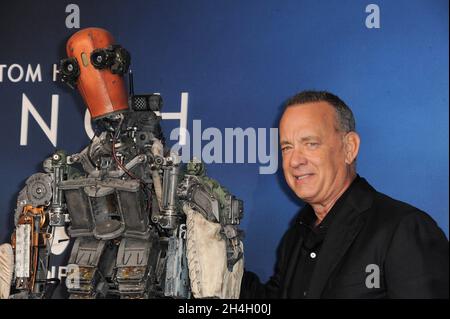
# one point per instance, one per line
(308, 218)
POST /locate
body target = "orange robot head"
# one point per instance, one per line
(95, 65)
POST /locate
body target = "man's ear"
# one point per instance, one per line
(351, 146)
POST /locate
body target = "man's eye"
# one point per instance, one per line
(312, 144)
(285, 148)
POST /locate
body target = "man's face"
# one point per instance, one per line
(313, 152)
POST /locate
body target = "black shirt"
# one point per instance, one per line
(312, 237)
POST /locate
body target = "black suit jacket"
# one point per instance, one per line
(409, 249)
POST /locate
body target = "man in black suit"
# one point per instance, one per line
(349, 241)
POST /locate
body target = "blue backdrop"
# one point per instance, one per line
(238, 61)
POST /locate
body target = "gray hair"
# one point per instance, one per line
(345, 119)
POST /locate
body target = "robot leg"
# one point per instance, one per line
(85, 276)
(136, 268)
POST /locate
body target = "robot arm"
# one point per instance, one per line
(40, 219)
(205, 252)
(6, 270)
(214, 246)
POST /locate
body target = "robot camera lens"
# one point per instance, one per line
(99, 59)
(69, 71)
(69, 67)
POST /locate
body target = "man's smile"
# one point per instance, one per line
(302, 177)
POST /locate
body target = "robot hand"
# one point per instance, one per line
(214, 247)
(207, 259)
(6, 270)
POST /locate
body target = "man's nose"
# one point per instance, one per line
(298, 158)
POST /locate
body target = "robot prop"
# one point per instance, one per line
(143, 225)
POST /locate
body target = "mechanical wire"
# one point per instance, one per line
(144, 184)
